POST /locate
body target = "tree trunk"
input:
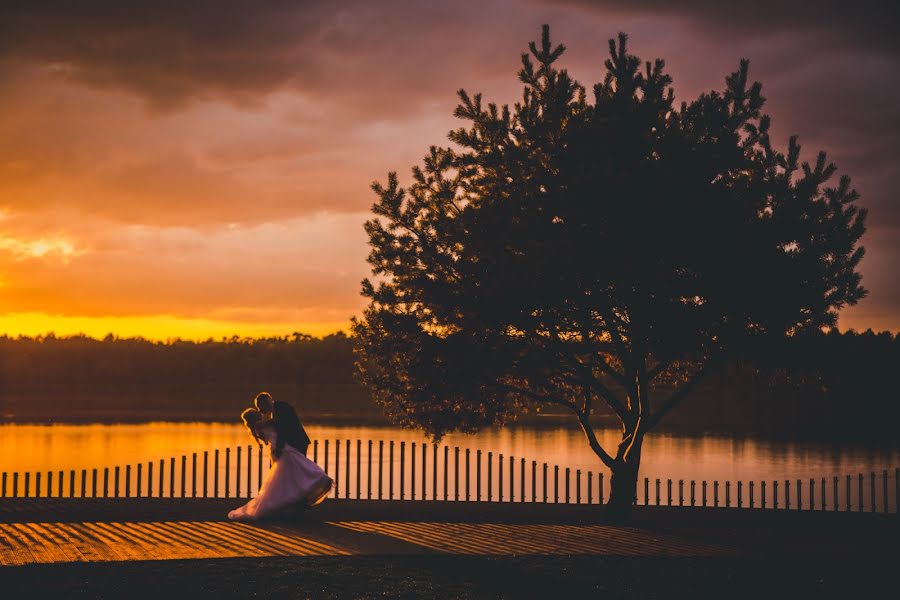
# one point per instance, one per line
(623, 484)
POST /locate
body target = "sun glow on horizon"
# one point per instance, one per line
(156, 327)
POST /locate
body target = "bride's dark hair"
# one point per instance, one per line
(252, 418)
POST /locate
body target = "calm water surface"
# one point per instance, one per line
(666, 455)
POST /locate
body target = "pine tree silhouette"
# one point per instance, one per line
(573, 253)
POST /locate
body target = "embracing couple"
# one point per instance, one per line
(294, 482)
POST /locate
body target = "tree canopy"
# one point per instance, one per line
(573, 251)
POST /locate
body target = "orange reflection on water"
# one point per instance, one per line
(665, 455)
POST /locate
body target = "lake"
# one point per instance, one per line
(730, 457)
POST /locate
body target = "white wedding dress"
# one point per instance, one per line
(293, 481)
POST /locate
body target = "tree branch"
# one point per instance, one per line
(609, 397)
(607, 368)
(587, 377)
(677, 396)
(625, 356)
(640, 385)
(604, 366)
(658, 369)
(538, 397)
(616, 338)
(584, 420)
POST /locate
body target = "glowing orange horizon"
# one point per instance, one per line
(168, 327)
(157, 327)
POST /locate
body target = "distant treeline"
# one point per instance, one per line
(81, 360)
(834, 383)
(845, 382)
(79, 377)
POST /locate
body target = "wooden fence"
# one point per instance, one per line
(409, 471)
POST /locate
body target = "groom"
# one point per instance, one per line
(287, 424)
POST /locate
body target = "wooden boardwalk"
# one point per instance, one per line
(41, 543)
(45, 531)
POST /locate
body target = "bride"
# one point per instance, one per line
(293, 480)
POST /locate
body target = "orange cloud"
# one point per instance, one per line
(305, 269)
(20, 249)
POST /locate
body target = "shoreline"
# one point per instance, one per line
(786, 432)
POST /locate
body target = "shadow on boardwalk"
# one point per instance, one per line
(184, 548)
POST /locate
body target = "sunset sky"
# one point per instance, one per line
(202, 168)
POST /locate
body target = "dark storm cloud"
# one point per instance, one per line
(358, 53)
(163, 50)
(860, 24)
